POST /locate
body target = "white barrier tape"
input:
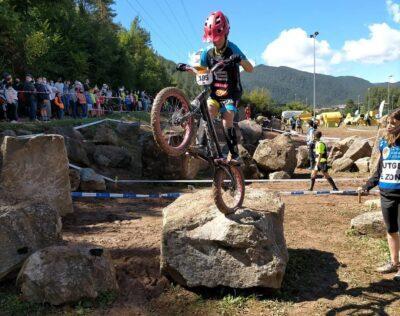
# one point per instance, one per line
(106, 195)
(247, 180)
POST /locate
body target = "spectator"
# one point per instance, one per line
(299, 125)
(128, 101)
(81, 102)
(59, 105)
(73, 102)
(86, 85)
(30, 97)
(51, 96)
(59, 85)
(66, 97)
(12, 101)
(247, 112)
(43, 99)
(89, 104)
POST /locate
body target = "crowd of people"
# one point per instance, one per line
(42, 100)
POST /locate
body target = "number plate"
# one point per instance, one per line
(204, 79)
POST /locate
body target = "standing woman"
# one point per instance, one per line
(387, 177)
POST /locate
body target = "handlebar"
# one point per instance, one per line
(185, 67)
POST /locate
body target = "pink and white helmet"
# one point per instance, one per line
(216, 27)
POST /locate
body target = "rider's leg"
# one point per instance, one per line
(213, 108)
(230, 133)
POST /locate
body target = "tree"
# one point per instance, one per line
(259, 98)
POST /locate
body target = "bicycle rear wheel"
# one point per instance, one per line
(228, 188)
(172, 131)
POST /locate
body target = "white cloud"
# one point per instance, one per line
(382, 45)
(394, 10)
(294, 48)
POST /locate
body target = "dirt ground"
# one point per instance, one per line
(331, 271)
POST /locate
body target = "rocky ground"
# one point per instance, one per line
(330, 271)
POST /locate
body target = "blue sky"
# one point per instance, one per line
(357, 37)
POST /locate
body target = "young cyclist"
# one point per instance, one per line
(226, 89)
(321, 153)
(387, 177)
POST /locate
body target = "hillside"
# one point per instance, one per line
(286, 84)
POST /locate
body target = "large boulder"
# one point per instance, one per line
(279, 175)
(157, 164)
(191, 166)
(25, 228)
(251, 131)
(303, 160)
(278, 154)
(105, 135)
(37, 169)
(76, 151)
(112, 156)
(370, 223)
(250, 169)
(202, 247)
(67, 131)
(359, 149)
(374, 162)
(128, 130)
(64, 274)
(91, 181)
(7, 132)
(362, 164)
(340, 147)
(342, 164)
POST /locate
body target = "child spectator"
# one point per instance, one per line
(81, 102)
(59, 106)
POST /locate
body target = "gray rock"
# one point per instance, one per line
(74, 179)
(127, 130)
(250, 169)
(362, 164)
(279, 175)
(359, 149)
(37, 169)
(7, 132)
(339, 148)
(342, 164)
(370, 223)
(278, 154)
(76, 151)
(67, 131)
(24, 228)
(203, 247)
(251, 131)
(302, 157)
(64, 274)
(91, 181)
(105, 136)
(112, 156)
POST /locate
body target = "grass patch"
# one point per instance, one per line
(230, 303)
(12, 304)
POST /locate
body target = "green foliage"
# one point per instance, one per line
(77, 39)
(260, 99)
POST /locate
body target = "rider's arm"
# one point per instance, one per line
(247, 66)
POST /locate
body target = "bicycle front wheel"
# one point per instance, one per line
(228, 188)
(172, 130)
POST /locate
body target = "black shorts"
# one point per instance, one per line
(323, 166)
(390, 212)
